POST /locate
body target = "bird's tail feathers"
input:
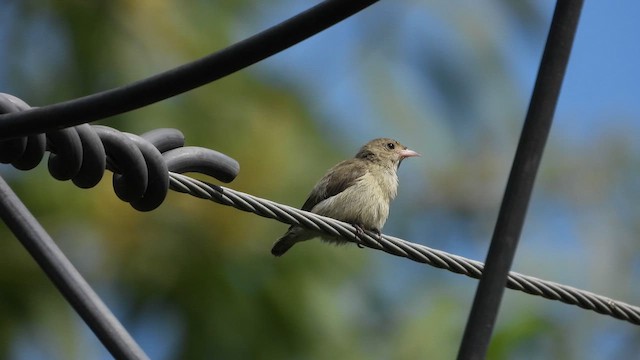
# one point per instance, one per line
(283, 245)
(290, 238)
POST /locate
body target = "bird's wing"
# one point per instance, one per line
(335, 181)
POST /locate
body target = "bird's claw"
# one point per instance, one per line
(378, 234)
(359, 234)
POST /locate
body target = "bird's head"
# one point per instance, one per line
(386, 152)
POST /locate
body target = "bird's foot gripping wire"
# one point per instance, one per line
(360, 233)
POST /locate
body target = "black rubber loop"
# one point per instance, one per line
(94, 158)
(66, 153)
(130, 178)
(204, 161)
(164, 139)
(158, 185)
(33, 153)
(12, 149)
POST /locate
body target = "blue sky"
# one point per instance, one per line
(603, 76)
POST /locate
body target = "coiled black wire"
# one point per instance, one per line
(141, 164)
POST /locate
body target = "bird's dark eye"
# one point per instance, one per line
(391, 146)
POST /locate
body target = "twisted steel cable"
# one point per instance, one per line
(402, 248)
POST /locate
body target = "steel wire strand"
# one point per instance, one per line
(399, 247)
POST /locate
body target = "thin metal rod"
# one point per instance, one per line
(513, 210)
(183, 78)
(66, 278)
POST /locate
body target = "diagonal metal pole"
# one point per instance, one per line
(484, 311)
(66, 278)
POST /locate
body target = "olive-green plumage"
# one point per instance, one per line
(357, 191)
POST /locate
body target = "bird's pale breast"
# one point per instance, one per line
(366, 202)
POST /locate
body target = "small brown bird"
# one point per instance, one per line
(357, 191)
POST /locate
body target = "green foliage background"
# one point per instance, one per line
(195, 280)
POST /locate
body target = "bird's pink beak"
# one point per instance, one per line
(408, 153)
